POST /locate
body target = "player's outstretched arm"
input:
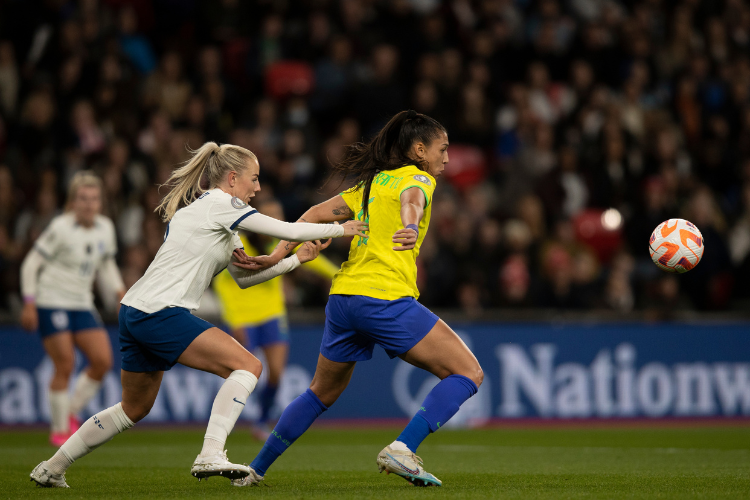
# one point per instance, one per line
(246, 276)
(413, 203)
(332, 210)
(262, 224)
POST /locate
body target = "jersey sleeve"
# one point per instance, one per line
(50, 240)
(111, 243)
(230, 212)
(422, 181)
(353, 199)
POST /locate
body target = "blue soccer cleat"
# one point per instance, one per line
(407, 465)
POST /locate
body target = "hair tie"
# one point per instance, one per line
(411, 114)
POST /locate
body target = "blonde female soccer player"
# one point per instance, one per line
(56, 282)
(157, 328)
(263, 326)
(373, 297)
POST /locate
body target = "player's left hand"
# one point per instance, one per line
(310, 250)
(407, 237)
(258, 263)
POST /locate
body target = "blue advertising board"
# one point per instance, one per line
(579, 371)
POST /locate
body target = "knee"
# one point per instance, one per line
(478, 376)
(136, 413)
(99, 367)
(64, 368)
(252, 365)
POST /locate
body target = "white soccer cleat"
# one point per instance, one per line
(407, 465)
(218, 465)
(252, 479)
(44, 478)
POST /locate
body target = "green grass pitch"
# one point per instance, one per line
(508, 463)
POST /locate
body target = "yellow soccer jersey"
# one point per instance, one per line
(374, 269)
(263, 302)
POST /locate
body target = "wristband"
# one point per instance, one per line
(414, 227)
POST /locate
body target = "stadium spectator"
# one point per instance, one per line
(643, 106)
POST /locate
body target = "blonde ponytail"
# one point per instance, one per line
(210, 159)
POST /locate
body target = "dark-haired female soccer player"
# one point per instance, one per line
(373, 296)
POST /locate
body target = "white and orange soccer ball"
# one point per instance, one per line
(676, 246)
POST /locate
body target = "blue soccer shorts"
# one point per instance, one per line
(355, 324)
(153, 342)
(52, 321)
(275, 331)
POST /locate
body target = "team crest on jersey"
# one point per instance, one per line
(237, 203)
(423, 179)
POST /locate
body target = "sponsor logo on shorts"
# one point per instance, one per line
(423, 179)
(237, 203)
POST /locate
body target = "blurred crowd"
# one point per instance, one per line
(576, 127)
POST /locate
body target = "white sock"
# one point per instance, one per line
(399, 446)
(93, 433)
(59, 410)
(229, 403)
(84, 389)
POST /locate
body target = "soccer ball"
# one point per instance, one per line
(676, 246)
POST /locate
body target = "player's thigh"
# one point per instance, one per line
(276, 357)
(443, 353)
(331, 378)
(139, 391)
(95, 345)
(216, 352)
(60, 348)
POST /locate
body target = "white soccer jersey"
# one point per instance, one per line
(198, 244)
(73, 253)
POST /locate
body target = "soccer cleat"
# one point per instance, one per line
(58, 439)
(407, 465)
(218, 465)
(42, 477)
(253, 479)
(74, 424)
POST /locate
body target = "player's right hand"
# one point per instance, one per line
(29, 317)
(258, 263)
(310, 250)
(355, 228)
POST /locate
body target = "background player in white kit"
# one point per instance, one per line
(157, 328)
(56, 281)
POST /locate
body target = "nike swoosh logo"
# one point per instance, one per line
(415, 472)
(240, 402)
(666, 230)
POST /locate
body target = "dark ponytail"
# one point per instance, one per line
(388, 150)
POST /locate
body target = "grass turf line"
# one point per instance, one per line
(684, 463)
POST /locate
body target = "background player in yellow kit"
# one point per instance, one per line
(264, 323)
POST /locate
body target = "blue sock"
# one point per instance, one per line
(267, 397)
(439, 406)
(296, 419)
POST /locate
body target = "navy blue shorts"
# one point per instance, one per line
(53, 321)
(153, 342)
(271, 332)
(355, 323)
